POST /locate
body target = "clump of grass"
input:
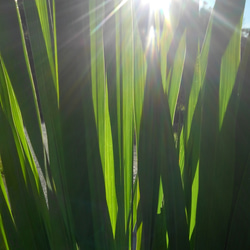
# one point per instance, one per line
(96, 88)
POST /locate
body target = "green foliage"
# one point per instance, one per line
(100, 83)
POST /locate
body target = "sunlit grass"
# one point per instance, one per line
(105, 71)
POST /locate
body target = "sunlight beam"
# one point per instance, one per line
(158, 5)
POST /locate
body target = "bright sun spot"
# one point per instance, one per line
(151, 33)
(159, 5)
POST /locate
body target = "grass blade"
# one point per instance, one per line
(22, 179)
(177, 75)
(20, 73)
(239, 230)
(216, 159)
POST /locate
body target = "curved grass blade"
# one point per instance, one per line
(112, 50)
(101, 104)
(3, 240)
(82, 156)
(7, 223)
(21, 175)
(48, 92)
(229, 68)
(14, 53)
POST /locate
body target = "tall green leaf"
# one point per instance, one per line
(176, 76)
(101, 104)
(14, 54)
(217, 148)
(239, 230)
(24, 188)
(127, 107)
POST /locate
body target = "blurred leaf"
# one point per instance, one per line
(176, 76)
(166, 37)
(239, 227)
(229, 68)
(127, 108)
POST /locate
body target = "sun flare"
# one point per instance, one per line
(159, 5)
